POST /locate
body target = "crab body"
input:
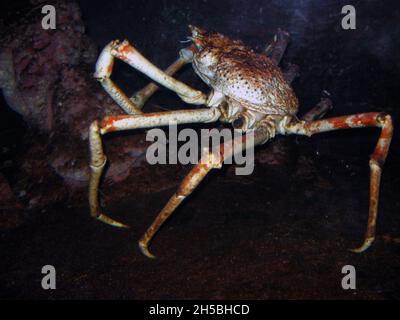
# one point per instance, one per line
(249, 82)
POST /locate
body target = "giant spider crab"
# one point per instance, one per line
(248, 90)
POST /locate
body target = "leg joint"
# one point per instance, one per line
(212, 160)
(375, 164)
(384, 119)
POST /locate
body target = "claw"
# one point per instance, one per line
(367, 243)
(143, 247)
(111, 222)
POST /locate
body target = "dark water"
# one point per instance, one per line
(279, 233)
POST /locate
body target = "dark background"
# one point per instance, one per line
(272, 235)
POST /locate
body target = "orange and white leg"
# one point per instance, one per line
(210, 160)
(104, 67)
(129, 122)
(372, 119)
(127, 53)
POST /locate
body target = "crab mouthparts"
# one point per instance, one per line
(197, 36)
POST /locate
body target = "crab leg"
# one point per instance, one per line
(277, 48)
(372, 119)
(128, 122)
(291, 73)
(319, 110)
(210, 160)
(104, 66)
(130, 55)
(141, 96)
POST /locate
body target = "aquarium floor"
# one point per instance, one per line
(272, 235)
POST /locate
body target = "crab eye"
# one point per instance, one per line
(195, 31)
(198, 33)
